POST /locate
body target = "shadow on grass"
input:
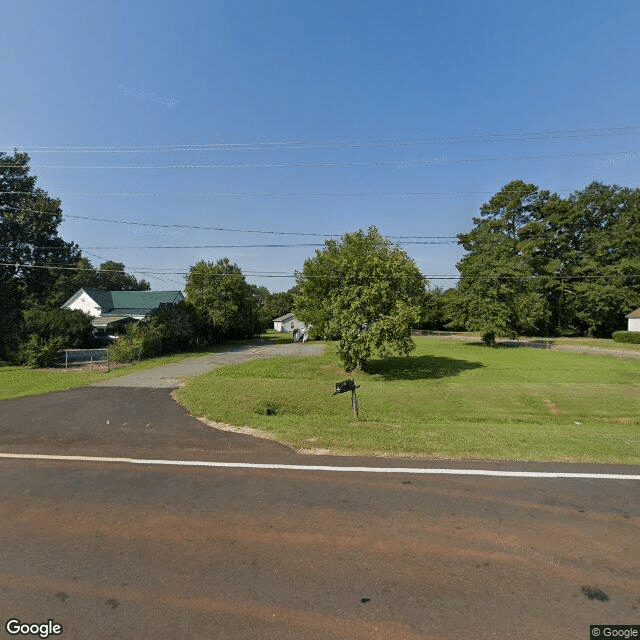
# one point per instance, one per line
(510, 344)
(419, 368)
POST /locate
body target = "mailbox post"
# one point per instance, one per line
(349, 385)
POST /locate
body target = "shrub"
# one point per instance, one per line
(489, 338)
(140, 341)
(72, 327)
(37, 352)
(626, 336)
(178, 326)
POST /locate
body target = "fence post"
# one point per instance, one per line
(107, 358)
(66, 360)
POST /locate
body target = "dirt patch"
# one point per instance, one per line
(551, 406)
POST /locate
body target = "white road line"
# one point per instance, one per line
(304, 467)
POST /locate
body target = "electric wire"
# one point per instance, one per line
(277, 145)
(153, 271)
(208, 228)
(417, 163)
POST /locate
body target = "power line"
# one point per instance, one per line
(277, 145)
(271, 194)
(134, 271)
(207, 228)
(152, 271)
(222, 246)
(420, 162)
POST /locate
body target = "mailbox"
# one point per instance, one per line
(344, 386)
(349, 385)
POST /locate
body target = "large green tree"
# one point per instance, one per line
(539, 263)
(31, 251)
(589, 257)
(364, 291)
(113, 277)
(110, 276)
(224, 300)
(30, 247)
(498, 292)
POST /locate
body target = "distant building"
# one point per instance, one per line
(109, 307)
(288, 323)
(634, 320)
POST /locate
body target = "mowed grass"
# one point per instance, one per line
(24, 381)
(600, 343)
(449, 399)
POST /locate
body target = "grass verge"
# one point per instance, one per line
(24, 381)
(449, 399)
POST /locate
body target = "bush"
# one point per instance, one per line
(178, 326)
(140, 341)
(626, 336)
(489, 338)
(72, 327)
(37, 352)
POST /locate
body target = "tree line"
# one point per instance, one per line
(39, 271)
(539, 264)
(535, 263)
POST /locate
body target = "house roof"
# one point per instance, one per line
(102, 298)
(132, 301)
(634, 314)
(128, 302)
(286, 316)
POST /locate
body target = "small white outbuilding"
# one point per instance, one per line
(287, 324)
(634, 320)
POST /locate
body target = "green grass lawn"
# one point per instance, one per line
(24, 381)
(600, 343)
(449, 399)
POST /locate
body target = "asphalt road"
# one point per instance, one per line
(113, 550)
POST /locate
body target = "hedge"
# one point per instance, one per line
(626, 336)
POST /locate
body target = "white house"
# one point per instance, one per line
(107, 307)
(634, 320)
(288, 323)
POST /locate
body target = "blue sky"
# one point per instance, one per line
(320, 118)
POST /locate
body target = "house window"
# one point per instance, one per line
(292, 325)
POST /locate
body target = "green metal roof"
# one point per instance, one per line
(139, 300)
(132, 302)
(103, 298)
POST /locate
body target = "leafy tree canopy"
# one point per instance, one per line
(29, 221)
(496, 294)
(363, 290)
(223, 299)
(29, 241)
(539, 263)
